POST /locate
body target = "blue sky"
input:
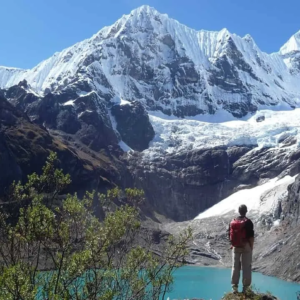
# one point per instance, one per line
(32, 30)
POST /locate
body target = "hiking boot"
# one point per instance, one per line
(247, 291)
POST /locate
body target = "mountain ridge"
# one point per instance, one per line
(148, 8)
(167, 66)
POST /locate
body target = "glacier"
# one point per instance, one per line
(264, 129)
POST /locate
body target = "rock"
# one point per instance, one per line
(24, 147)
(268, 297)
(96, 128)
(86, 117)
(260, 119)
(236, 152)
(249, 296)
(190, 299)
(180, 186)
(68, 122)
(133, 125)
(261, 163)
(291, 204)
(288, 141)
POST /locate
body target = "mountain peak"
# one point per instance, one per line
(145, 9)
(248, 38)
(170, 67)
(224, 31)
(293, 44)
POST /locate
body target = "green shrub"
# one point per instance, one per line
(58, 249)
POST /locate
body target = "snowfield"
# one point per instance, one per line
(260, 200)
(267, 128)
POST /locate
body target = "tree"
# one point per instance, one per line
(58, 249)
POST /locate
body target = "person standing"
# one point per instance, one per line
(241, 235)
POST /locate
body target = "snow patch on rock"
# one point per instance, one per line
(124, 146)
(260, 200)
(70, 102)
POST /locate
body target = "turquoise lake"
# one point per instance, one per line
(212, 283)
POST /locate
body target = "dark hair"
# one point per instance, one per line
(243, 209)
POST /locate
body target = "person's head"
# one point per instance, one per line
(243, 210)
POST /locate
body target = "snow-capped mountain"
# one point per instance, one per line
(149, 57)
(216, 120)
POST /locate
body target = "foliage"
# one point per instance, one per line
(250, 294)
(58, 249)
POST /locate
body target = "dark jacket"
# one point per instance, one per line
(248, 228)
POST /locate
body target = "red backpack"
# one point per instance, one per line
(238, 232)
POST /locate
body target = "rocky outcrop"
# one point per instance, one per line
(133, 125)
(291, 205)
(86, 117)
(179, 186)
(280, 255)
(252, 296)
(249, 296)
(265, 163)
(24, 147)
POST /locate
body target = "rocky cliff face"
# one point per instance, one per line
(180, 186)
(291, 206)
(133, 125)
(25, 145)
(86, 117)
